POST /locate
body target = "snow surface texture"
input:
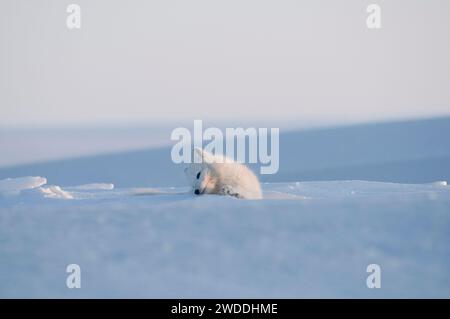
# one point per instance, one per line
(305, 239)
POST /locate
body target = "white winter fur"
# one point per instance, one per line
(222, 176)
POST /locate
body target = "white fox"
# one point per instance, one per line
(223, 176)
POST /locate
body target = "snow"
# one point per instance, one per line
(95, 186)
(16, 185)
(55, 192)
(344, 198)
(305, 239)
(399, 152)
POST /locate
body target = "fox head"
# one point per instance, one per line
(201, 173)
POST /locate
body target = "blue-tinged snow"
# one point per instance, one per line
(309, 237)
(305, 239)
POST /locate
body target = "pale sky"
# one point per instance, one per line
(148, 61)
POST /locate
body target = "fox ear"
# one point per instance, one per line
(198, 155)
(198, 151)
(203, 156)
(207, 157)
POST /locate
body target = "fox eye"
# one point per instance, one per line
(198, 175)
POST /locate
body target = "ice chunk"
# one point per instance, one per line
(55, 192)
(15, 185)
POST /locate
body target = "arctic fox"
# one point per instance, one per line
(222, 176)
